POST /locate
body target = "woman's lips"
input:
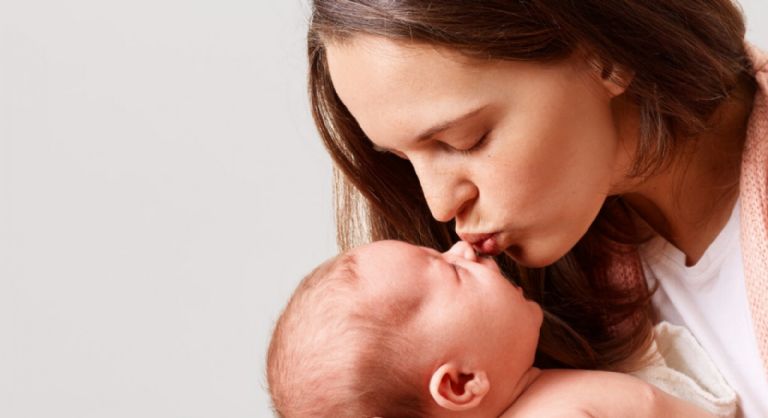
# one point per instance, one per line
(483, 243)
(489, 246)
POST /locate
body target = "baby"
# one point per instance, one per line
(394, 330)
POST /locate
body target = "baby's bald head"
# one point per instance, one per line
(339, 351)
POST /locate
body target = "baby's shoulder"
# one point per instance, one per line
(581, 393)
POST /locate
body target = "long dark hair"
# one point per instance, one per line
(687, 56)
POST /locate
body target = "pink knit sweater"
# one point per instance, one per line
(754, 205)
(753, 196)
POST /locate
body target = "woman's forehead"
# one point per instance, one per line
(396, 91)
(377, 65)
(391, 87)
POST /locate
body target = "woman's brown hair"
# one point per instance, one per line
(687, 56)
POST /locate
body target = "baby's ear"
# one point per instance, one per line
(458, 390)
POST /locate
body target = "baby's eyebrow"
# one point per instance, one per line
(431, 251)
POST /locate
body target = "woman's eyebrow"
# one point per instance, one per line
(437, 128)
(443, 126)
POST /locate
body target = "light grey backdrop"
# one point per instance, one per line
(162, 190)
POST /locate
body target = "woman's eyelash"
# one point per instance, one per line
(476, 146)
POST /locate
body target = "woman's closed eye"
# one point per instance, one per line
(476, 146)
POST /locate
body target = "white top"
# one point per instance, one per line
(710, 299)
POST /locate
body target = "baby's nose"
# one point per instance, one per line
(464, 250)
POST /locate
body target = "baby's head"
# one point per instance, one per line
(391, 329)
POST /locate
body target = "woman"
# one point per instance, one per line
(589, 145)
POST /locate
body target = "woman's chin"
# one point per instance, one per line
(533, 257)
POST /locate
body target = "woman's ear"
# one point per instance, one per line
(615, 78)
(458, 390)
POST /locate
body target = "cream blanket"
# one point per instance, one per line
(683, 369)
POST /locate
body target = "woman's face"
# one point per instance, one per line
(521, 154)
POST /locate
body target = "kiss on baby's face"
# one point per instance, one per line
(461, 309)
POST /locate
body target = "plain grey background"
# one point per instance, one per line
(162, 190)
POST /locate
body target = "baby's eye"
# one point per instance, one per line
(458, 270)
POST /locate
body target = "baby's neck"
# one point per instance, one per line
(523, 384)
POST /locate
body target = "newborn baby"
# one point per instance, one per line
(394, 330)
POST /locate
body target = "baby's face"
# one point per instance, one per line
(458, 303)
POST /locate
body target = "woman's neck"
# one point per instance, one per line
(691, 200)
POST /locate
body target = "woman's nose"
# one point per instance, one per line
(447, 193)
(464, 250)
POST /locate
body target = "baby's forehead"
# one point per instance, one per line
(387, 262)
(392, 275)
(395, 251)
